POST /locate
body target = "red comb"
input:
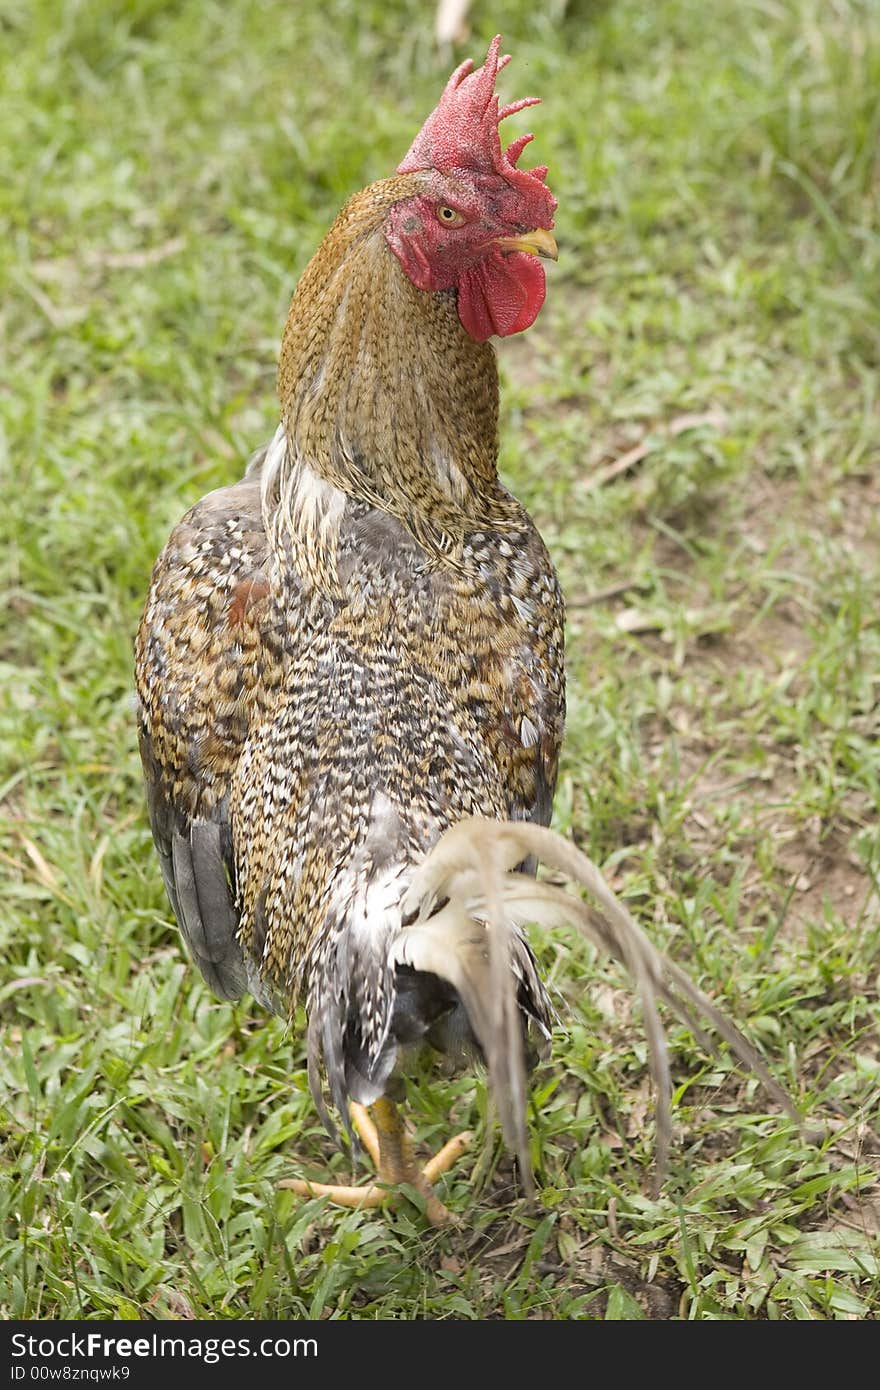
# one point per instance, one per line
(462, 132)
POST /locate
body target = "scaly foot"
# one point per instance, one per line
(389, 1147)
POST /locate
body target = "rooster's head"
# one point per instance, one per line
(477, 223)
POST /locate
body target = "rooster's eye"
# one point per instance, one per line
(449, 216)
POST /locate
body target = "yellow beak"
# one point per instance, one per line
(537, 243)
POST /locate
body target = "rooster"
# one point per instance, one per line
(350, 669)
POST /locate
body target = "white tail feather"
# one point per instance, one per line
(470, 867)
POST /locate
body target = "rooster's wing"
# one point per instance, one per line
(208, 658)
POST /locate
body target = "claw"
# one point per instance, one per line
(388, 1145)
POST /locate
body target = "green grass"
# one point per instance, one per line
(166, 169)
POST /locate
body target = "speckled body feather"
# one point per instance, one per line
(341, 656)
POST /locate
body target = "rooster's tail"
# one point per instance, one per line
(472, 939)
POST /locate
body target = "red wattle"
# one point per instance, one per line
(501, 294)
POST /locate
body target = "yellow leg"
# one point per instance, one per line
(367, 1131)
(388, 1145)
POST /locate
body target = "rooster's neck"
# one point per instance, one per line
(384, 395)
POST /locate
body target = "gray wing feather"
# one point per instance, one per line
(206, 911)
(197, 866)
